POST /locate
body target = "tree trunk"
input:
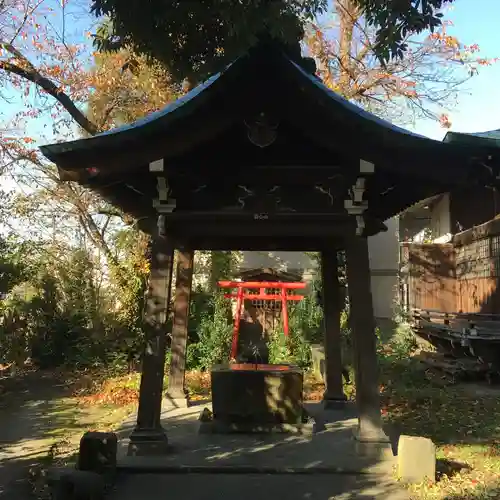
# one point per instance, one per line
(349, 14)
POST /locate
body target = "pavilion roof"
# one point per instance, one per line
(187, 104)
(489, 139)
(197, 132)
(263, 61)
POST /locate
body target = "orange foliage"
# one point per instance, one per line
(119, 391)
(425, 81)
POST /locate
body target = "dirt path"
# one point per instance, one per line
(34, 409)
(37, 413)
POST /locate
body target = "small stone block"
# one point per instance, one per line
(416, 459)
(67, 484)
(318, 360)
(205, 415)
(98, 452)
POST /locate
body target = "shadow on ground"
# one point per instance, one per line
(36, 410)
(460, 418)
(419, 401)
(327, 464)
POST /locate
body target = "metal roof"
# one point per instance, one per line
(192, 100)
(489, 138)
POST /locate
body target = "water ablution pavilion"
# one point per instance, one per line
(263, 156)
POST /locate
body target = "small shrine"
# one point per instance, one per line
(263, 156)
(249, 394)
(261, 299)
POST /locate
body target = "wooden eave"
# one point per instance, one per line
(265, 74)
(201, 138)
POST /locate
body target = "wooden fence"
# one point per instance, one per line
(462, 276)
(429, 276)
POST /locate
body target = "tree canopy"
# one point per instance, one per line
(196, 39)
(396, 19)
(426, 82)
(206, 35)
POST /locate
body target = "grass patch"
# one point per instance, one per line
(463, 424)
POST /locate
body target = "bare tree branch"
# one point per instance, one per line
(30, 73)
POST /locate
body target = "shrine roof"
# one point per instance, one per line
(269, 274)
(318, 142)
(272, 63)
(490, 138)
(353, 108)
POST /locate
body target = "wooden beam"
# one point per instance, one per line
(334, 396)
(149, 432)
(364, 341)
(263, 296)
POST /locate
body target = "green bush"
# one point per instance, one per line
(215, 335)
(305, 320)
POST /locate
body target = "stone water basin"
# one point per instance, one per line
(257, 394)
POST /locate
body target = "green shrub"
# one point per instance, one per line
(215, 335)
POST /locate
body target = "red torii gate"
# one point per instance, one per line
(240, 295)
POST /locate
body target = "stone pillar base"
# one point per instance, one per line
(148, 442)
(334, 402)
(176, 401)
(371, 435)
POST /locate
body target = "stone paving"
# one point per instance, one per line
(328, 464)
(257, 486)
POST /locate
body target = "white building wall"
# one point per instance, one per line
(440, 220)
(384, 266)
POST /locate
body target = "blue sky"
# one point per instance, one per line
(478, 109)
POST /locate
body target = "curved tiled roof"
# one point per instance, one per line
(188, 104)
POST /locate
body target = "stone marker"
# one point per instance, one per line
(98, 452)
(416, 459)
(318, 360)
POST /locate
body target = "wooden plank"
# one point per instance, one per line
(431, 279)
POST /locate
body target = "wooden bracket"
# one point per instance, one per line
(164, 204)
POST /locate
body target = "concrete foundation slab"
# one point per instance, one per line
(328, 464)
(262, 486)
(332, 448)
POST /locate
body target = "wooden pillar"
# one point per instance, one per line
(364, 341)
(177, 396)
(148, 436)
(334, 396)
